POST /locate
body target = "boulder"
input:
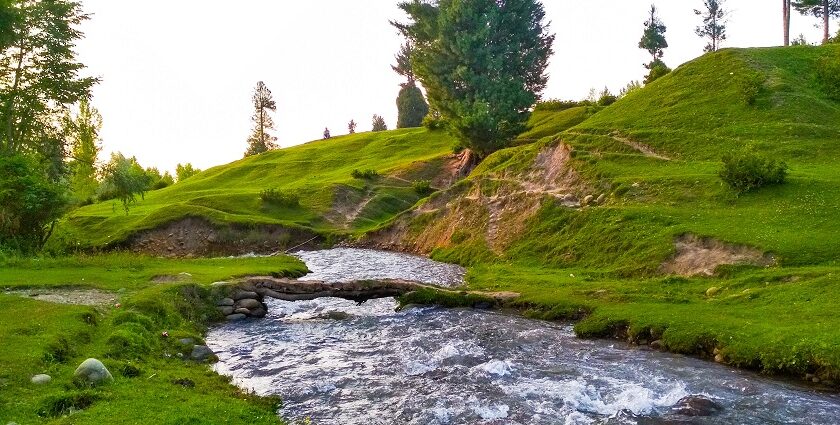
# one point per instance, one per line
(245, 295)
(248, 303)
(41, 379)
(225, 302)
(656, 345)
(695, 405)
(186, 341)
(236, 317)
(226, 310)
(244, 311)
(93, 372)
(258, 312)
(201, 353)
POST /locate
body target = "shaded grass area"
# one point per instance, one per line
(153, 381)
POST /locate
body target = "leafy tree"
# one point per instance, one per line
(482, 63)
(352, 127)
(411, 105)
(606, 98)
(30, 203)
(123, 178)
(82, 131)
(40, 75)
(185, 171)
(158, 180)
(824, 9)
(714, 23)
(379, 123)
(261, 140)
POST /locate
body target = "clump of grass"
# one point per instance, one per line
(364, 174)
(62, 404)
(423, 188)
(280, 198)
(129, 341)
(746, 171)
(828, 73)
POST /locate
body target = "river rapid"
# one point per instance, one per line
(337, 362)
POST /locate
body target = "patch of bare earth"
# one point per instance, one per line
(697, 256)
(91, 297)
(641, 147)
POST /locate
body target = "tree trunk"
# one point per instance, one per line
(826, 21)
(786, 21)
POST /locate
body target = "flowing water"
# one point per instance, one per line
(438, 366)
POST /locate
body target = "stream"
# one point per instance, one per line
(337, 362)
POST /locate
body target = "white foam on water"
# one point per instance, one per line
(496, 367)
(490, 412)
(415, 368)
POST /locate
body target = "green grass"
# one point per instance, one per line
(40, 337)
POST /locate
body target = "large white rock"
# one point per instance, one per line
(94, 372)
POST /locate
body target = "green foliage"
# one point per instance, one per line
(364, 174)
(657, 69)
(280, 198)
(260, 140)
(629, 88)
(423, 188)
(714, 23)
(751, 83)
(482, 64)
(823, 9)
(67, 403)
(746, 171)
(378, 123)
(606, 98)
(185, 171)
(30, 202)
(653, 38)
(411, 106)
(123, 179)
(557, 105)
(157, 180)
(828, 74)
(129, 341)
(82, 130)
(434, 121)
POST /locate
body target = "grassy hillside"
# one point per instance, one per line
(319, 173)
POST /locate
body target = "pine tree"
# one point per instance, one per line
(653, 40)
(714, 24)
(824, 9)
(411, 105)
(261, 140)
(482, 63)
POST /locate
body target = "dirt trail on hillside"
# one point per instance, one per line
(641, 147)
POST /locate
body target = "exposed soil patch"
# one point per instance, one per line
(697, 256)
(90, 297)
(641, 147)
(192, 237)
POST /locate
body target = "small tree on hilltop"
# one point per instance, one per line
(482, 63)
(123, 178)
(714, 24)
(351, 126)
(411, 105)
(261, 140)
(185, 171)
(823, 9)
(653, 40)
(379, 123)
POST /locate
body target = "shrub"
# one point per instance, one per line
(378, 123)
(130, 340)
(280, 198)
(434, 121)
(365, 174)
(746, 171)
(423, 188)
(658, 69)
(828, 74)
(750, 84)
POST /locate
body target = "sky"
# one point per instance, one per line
(177, 76)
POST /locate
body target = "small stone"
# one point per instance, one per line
(41, 379)
(601, 198)
(244, 311)
(656, 345)
(719, 358)
(201, 353)
(244, 295)
(249, 304)
(227, 310)
(93, 372)
(226, 302)
(711, 292)
(588, 199)
(236, 317)
(695, 405)
(716, 351)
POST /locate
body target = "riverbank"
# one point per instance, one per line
(778, 321)
(145, 338)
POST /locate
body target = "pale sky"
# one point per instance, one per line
(177, 76)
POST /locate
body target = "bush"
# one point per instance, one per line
(365, 174)
(658, 69)
(746, 171)
(434, 121)
(280, 198)
(423, 188)
(828, 74)
(750, 84)
(130, 340)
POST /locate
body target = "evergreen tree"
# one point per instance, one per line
(482, 63)
(714, 23)
(83, 133)
(411, 105)
(653, 40)
(824, 9)
(261, 140)
(403, 66)
(379, 123)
